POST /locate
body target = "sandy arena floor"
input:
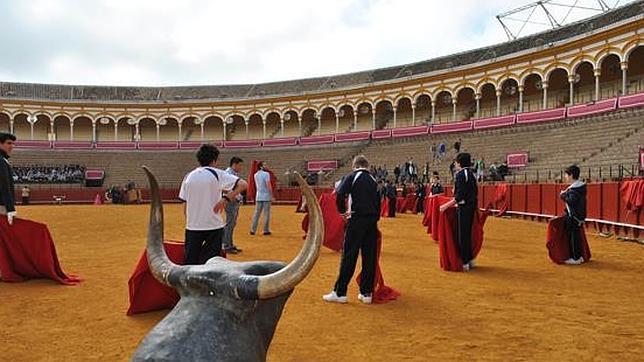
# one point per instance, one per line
(516, 305)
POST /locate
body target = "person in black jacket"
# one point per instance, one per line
(575, 198)
(359, 204)
(391, 196)
(465, 198)
(7, 188)
(436, 186)
(420, 196)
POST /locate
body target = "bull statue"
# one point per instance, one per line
(228, 310)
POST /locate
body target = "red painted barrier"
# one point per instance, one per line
(633, 100)
(451, 127)
(533, 198)
(380, 134)
(73, 145)
(409, 131)
(317, 140)
(592, 108)
(192, 145)
(541, 116)
(27, 144)
(352, 136)
(494, 122)
(280, 142)
(243, 144)
(158, 146)
(116, 145)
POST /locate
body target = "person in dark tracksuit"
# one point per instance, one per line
(391, 198)
(359, 204)
(420, 196)
(7, 188)
(575, 198)
(436, 187)
(465, 198)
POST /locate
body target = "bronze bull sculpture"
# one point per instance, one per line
(228, 310)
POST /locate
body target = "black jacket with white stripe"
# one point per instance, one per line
(362, 191)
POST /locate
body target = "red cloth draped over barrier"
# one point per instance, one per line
(148, 294)
(557, 241)
(632, 193)
(407, 203)
(334, 235)
(252, 188)
(450, 259)
(27, 251)
(501, 201)
(435, 206)
(384, 207)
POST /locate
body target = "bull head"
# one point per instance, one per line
(228, 310)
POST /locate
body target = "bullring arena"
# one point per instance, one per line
(572, 95)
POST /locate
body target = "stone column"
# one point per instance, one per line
(544, 85)
(624, 66)
(453, 109)
(597, 73)
(246, 124)
(571, 89)
(180, 132)
(320, 124)
(433, 111)
(395, 115)
(413, 114)
(263, 129)
(498, 101)
(281, 127)
(373, 118)
(201, 131)
(116, 129)
(355, 119)
(337, 123)
(94, 130)
(477, 97)
(158, 132)
(71, 130)
(520, 99)
(51, 130)
(225, 126)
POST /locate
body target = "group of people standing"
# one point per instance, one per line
(208, 192)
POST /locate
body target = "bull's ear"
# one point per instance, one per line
(261, 267)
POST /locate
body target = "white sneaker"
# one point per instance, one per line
(571, 261)
(466, 267)
(472, 264)
(366, 299)
(580, 260)
(334, 298)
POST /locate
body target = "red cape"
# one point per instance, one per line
(632, 192)
(333, 223)
(450, 259)
(334, 236)
(148, 294)
(500, 199)
(384, 207)
(27, 251)
(381, 292)
(252, 188)
(558, 243)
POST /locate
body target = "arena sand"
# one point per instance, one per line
(516, 305)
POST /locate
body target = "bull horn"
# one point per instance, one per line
(161, 267)
(280, 282)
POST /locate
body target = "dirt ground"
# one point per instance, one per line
(516, 305)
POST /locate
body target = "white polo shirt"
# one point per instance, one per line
(201, 191)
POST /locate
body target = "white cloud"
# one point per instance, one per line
(164, 42)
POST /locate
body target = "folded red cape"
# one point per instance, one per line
(27, 251)
(450, 259)
(148, 294)
(558, 241)
(334, 238)
(407, 203)
(435, 214)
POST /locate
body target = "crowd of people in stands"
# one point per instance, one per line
(37, 174)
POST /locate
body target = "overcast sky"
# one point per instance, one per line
(183, 42)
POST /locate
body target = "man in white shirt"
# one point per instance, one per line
(206, 191)
(263, 198)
